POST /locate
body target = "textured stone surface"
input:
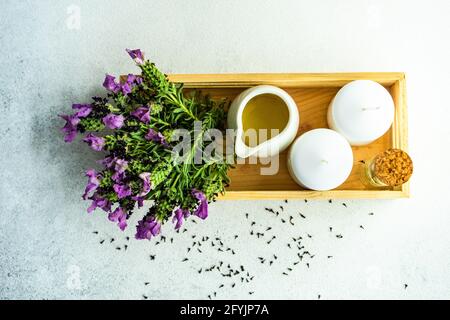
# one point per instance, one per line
(48, 249)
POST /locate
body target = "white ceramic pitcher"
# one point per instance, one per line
(271, 146)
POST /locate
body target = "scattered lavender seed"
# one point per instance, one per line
(284, 273)
(282, 220)
(329, 257)
(184, 260)
(301, 215)
(152, 257)
(246, 215)
(331, 229)
(330, 201)
(361, 227)
(101, 242)
(251, 292)
(344, 205)
(406, 286)
(282, 208)
(339, 236)
(112, 240)
(236, 236)
(285, 201)
(145, 297)
(146, 283)
(95, 232)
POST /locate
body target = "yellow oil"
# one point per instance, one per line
(265, 112)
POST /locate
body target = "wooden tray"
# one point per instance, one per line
(312, 93)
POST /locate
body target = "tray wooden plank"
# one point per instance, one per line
(312, 93)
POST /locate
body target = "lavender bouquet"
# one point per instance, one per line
(135, 126)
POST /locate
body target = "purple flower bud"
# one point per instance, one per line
(83, 110)
(120, 217)
(147, 186)
(110, 84)
(178, 216)
(131, 78)
(139, 200)
(120, 165)
(147, 228)
(99, 202)
(93, 182)
(202, 208)
(96, 143)
(136, 55)
(122, 191)
(142, 113)
(152, 135)
(113, 121)
(126, 88)
(70, 128)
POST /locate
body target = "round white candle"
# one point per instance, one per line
(320, 159)
(362, 111)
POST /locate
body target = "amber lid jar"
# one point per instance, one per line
(390, 168)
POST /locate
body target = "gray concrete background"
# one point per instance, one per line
(48, 249)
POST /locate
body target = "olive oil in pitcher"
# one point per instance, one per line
(264, 112)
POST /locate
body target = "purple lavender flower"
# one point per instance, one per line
(96, 143)
(108, 162)
(202, 209)
(120, 165)
(139, 200)
(136, 55)
(152, 135)
(118, 177)
(131, 78)
(70, 128)
(113, 121)
(110, 84)
(93, 182)
(99, 202)
(83, 110)
(142, 113)
(178, 216)
(147, 185)
(119, 216)
(147, 228)
(122, 190)
(126, 88)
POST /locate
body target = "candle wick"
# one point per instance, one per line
(370, 108)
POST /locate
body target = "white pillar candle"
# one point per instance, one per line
(320, 159)
(362, 111)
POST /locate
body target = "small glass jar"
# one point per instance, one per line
(391, 168)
